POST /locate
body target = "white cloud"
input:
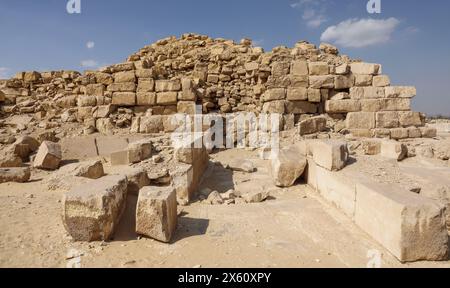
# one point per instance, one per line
(358, 33)
(313, 12)
(4, 73)
(90, 44)
(89, 63)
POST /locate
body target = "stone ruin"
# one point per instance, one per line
(173, 75)
(317, 93)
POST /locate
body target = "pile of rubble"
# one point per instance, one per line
(174, 75)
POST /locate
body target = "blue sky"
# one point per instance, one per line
(409, 37)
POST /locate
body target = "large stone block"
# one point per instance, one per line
(395, 104)
(287, 166)
(331, 154)
(151, 124)
(318, 68)
(344, 82)
(124, 98)
(19, 175)
(394, 150)
(145, 98)
(360, 120)
(363, 80)
(156, 213)
(342, 106)
(365, 68)
(122, 87)
(408, 119)
(325, 81)
(410, 226)
(92, 211)
(299, 68)
(297, 94)
(167, 85)
(387, 120)
(166, 98)
(274, 107)
(125, 76)
(187, 90)
(274, 94)
(48, 156)
(381, 81)
(400, 92)
(312, 125)
(146, 85)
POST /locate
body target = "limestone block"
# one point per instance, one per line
(187, 90)
(287, 166)
(122, 87)
(363, 80)
(370, 105)
(146, 85)
(365, 68)
(410, 226)
(156, 213)
(301, 107)
(387, 120)
(381, 81)
(297, 94)
(90, 169)
(408, 119)
(299, 68)
(145, 98)
(344, 82)
(318, 68)
(48, 156)
(325, 81)
(151, 124)
(274, 94)
(92, 211)
(125, 76)
(315, 95)
(372, 146)
(394, 150)
(166, 98)
(400, 92)
(167, 85)
(95, 89)
(19, 175)
(399, 133)
(331, 154)
(360, 120)
(342, 106)
(274, 107)
(396, 104)
(428, 132)
(124, 98)
(312, 125)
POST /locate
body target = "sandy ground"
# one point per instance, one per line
(294, 228)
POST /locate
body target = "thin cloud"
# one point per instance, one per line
(359, 33)
(89, 63)
(90, 44)
(314, 12)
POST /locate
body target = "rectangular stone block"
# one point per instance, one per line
(299, 67)
(124, 98)
(317, 82)
(274, 94)
(342, 106)
(122, 87)
(363, 80)
(381, 81)
(365, 68)
(187, 90)
(297, 94)
(400, 92)
(166, 98)
(330, 154)
(318, 68)
(146, 85)
(408, 119)
(156, 213)
(95, 89)
(167, 85)
(360, 120)
(315, 95)
(387, 120)
(49, 156)
(92, 211)
(370, 105)
(145, 98)
(410, 226)
(395, 104)
(344, 82)
(275, 107)
(125, 76)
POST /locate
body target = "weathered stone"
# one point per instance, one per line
(318, 68)
(124, 98)
(344, 82)
(387, 120)
(394, 150)
(371, 147)
(91, 169)
(156, 213)
(363, 80)
(410, 226)
(146, 85)
(104, 126)
(122, 87)
(242, 166)
(274, 94)
(400, 92)
(140, 150)
(312, 125)
(151, 124)
(299, 68)
(146, 98)
(325, 81)
(214, 198)
(381, 81)
(399, 133)
(95, 89)
(315, 95)
(365, 68)
(428, 132)
(166, 98)
(395, 104)
(48, 156)
(167, 85)
(297, 94)
(342, 106)
(92, 211)
(123, 77)
(300, 107)
(360, 120)
(408, 119)
(274, 107)
(330, 154)
(255, 196)
(19, 175)
(287, 166)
